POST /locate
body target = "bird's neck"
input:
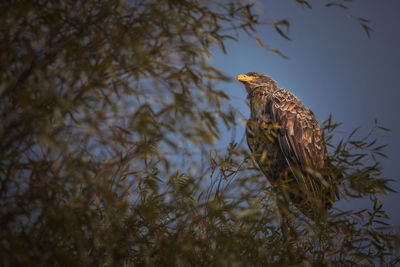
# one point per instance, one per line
(260, 92)
(258, 98)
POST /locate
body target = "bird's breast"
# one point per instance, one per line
(262, 140)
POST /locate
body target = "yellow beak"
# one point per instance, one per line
(244, 78)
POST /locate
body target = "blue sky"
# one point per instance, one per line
(333, 68)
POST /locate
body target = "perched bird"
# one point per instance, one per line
(286, 142)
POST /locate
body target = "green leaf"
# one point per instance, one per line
(336, 4)
(304, 2)
(367, 29)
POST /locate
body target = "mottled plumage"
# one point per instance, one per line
(286, 142)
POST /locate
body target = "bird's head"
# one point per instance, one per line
(253, 80)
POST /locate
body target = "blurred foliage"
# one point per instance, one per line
(109, 114)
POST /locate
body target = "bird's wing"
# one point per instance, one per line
(299, 134)
(301, 142)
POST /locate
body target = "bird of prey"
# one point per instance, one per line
(286, 142)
